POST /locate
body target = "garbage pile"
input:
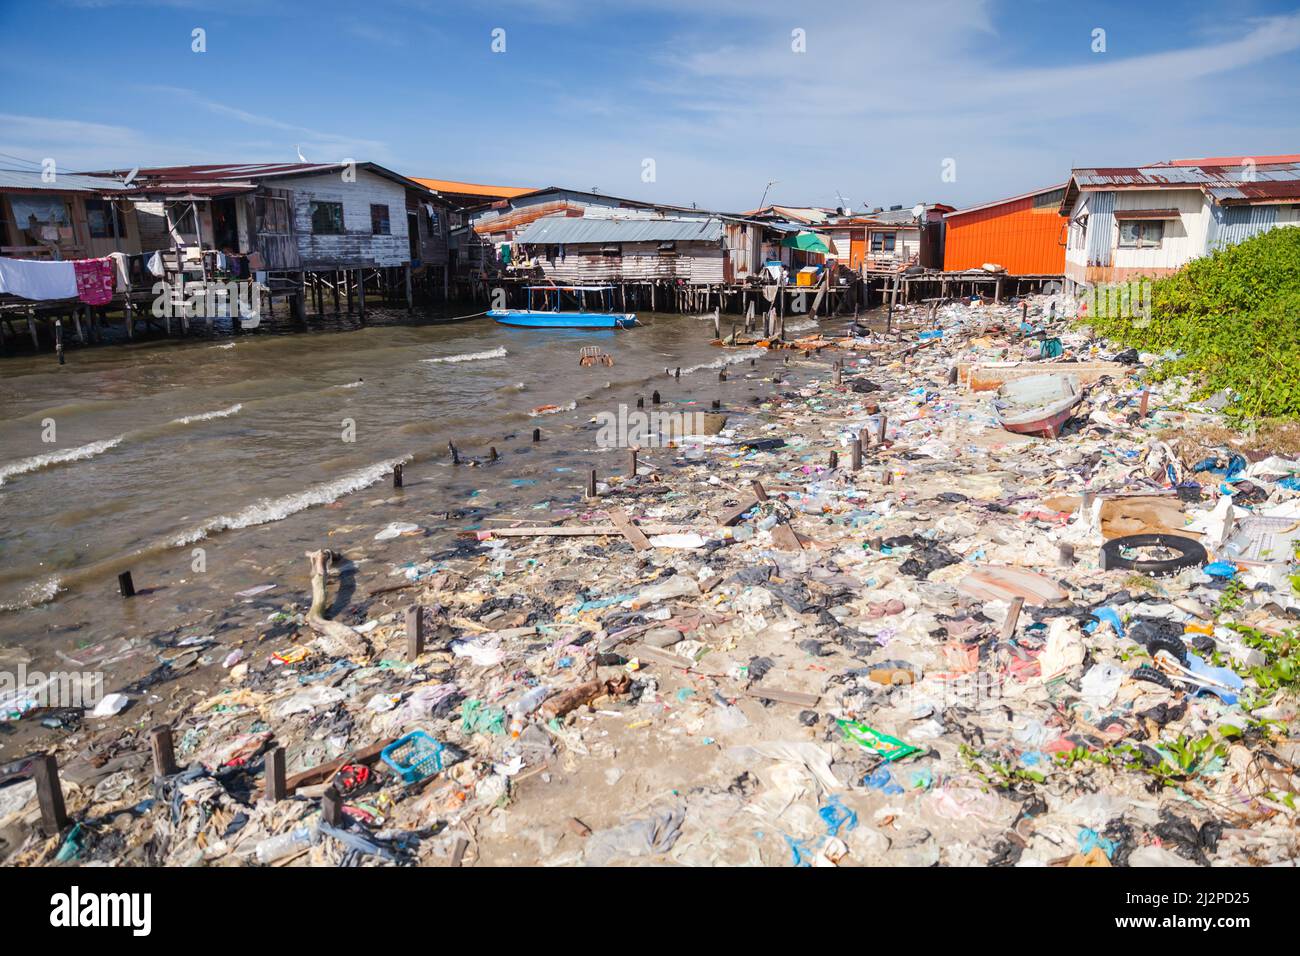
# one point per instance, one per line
(863, 624)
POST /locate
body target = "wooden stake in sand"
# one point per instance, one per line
(49, 793)
(164, 757)
(275, 785)
(414, 632)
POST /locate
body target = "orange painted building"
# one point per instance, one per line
(1024, 234)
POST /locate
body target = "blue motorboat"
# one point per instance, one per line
(553, 318)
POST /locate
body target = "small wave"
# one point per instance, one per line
(37, 462)
(734, 358)
(39, 593)
(276, 509)
(357, 384)
(470, 356)
(208, 416)
(228, 345)
(801, 326)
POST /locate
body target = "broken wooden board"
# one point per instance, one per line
(656, 656)
(635, 536)
(785, 538)
(732, 517)
(798, 698)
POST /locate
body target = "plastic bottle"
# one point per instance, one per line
(278, 847)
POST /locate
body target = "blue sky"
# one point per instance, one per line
(711, 90)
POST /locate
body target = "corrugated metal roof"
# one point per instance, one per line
(206, 180)
(1262, 182)
(1182, 176)
(63, 182)
(562, 230)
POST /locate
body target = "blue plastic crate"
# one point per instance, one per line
(414, 757)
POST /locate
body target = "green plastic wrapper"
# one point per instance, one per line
(891, 748)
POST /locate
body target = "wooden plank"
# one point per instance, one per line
(732, 517)
(784, 537)
(798, 698)
(655, 655)
(325, 771)
(635, 536)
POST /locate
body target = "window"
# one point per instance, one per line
(1078, 232)
(1141, 233)
(104, 219)
(183, 219)
(39, 211)
(272, 215)
(327, 218)
(883, 241)
(378, 220)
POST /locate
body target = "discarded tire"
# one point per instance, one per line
(1171, 645)
(1152, 676)
(1190, 554)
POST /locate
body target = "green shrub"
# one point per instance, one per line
(1233, 317)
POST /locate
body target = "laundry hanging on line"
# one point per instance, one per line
(94, 280)
(38, 279)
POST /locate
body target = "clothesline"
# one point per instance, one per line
(90, 280)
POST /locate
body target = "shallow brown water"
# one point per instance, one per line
(239, 447)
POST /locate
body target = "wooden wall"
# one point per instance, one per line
(698, 263)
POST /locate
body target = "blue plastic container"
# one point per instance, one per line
(414, 757)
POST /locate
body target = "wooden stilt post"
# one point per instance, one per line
(591, 483)
(855, 461)
(397, 475)
(49, 793)
(275, 787)
(414, 632)
(125, 585)
(164, 756)
(331, 807)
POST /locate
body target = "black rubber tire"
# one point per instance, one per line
(1152, 676)
(1190, 554)
(1170, 644)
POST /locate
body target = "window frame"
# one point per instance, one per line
(1140, 242)
(386, 222)
(113, 218)
(883, 248)
(316, 204)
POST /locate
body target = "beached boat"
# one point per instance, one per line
(555, 319)
(1038, 405)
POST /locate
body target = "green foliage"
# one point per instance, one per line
(1180, 759)
(1281, 669)
(1232, 317)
